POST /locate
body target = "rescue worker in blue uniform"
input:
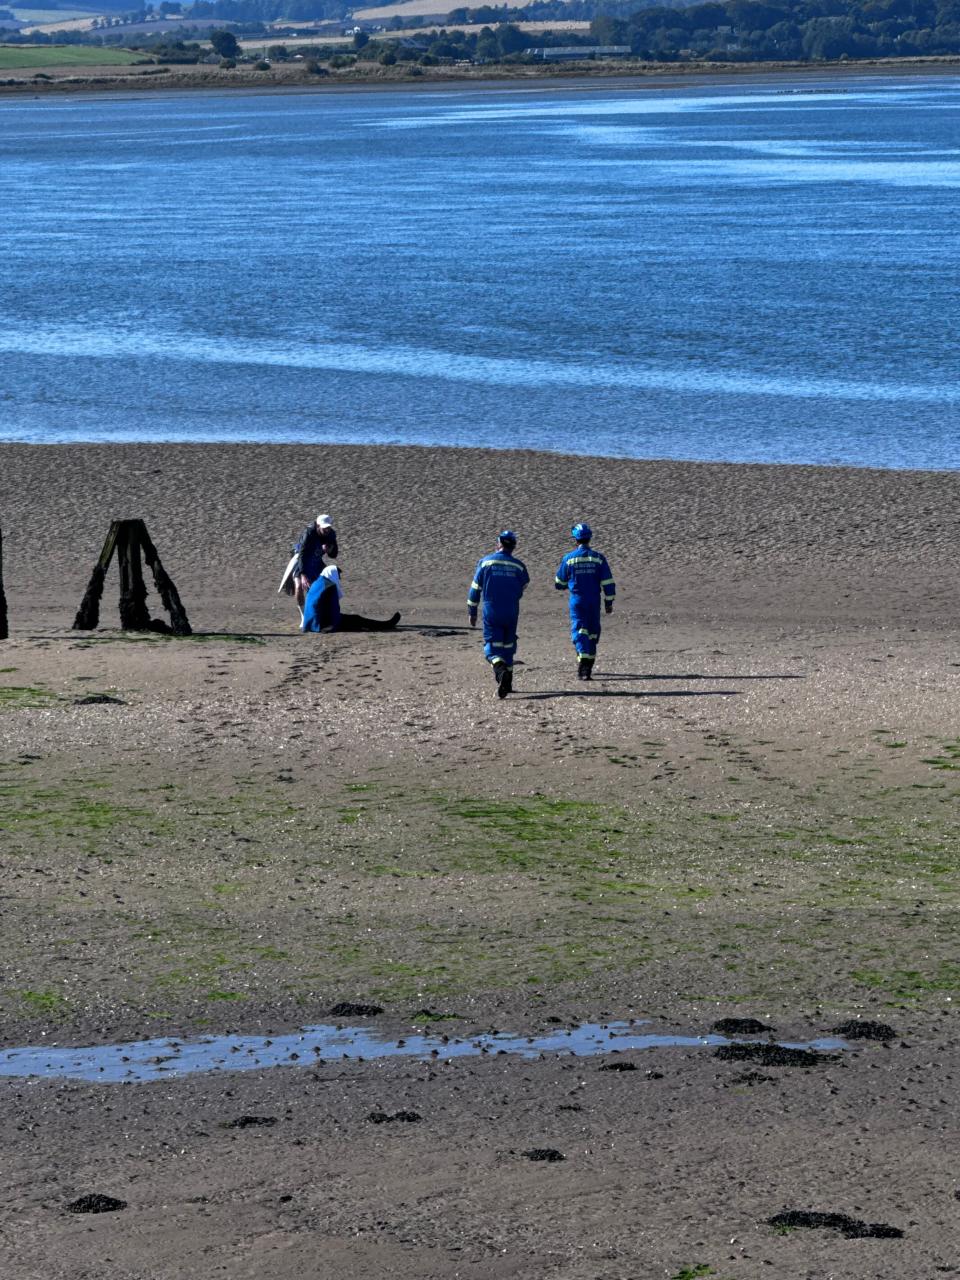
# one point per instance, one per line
(586, 575)
(499, 580)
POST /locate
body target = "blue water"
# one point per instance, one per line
(156, 1059)
(751, 273)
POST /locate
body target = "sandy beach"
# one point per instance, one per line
(750, 813)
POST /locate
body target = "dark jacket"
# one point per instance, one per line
(314, 545)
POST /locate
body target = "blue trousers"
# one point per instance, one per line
(585, 631)
(500, 639)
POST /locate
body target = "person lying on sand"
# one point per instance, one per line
(321, 609)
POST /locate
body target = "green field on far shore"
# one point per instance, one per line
(17, 56)
(26, 13)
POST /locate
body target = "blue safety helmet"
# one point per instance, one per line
(507, 536)
(581, 533)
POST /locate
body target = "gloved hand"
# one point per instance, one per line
(473, 619)
(608, 606)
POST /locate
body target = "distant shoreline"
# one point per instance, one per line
(293, 79)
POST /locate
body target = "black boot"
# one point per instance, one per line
(505, 682)
(584, 668)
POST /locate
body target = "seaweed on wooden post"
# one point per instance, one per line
(179, 623)
(88, 615)
(3, 599)
(128, 538)
(133, 592)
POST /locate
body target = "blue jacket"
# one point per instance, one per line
(321, 609)
(499, 579)
(585, 573)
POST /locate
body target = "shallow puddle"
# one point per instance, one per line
(161, 1059)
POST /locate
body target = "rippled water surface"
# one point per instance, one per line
(765, 272)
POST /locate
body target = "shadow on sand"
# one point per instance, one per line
(436, 630)
(622, 693)
(611, 677)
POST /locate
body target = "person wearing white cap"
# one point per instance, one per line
(317, 543)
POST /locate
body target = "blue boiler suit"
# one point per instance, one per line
(586, 575)
(499, 579)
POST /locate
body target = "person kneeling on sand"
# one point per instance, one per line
(321, 609)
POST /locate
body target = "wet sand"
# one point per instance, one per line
(692, 542)
(752, 811)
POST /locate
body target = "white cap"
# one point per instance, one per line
(324, 522)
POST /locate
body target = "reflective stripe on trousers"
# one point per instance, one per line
(500, 640)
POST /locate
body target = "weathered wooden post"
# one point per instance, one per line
(133, 592)
(164, 584)
(3, 599)
(88, 615)
(128, 538)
